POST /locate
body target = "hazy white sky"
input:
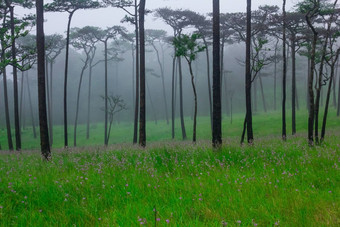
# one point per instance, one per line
(56, 22)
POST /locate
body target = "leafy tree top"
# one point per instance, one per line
(187, 46)
(71, 6)
(177, 19)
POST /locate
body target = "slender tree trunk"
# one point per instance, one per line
(263, 97)
(209, 83)
(31, 107)
(184, 134)
(135, 125)
(195, 101)
(142, 120)
(78, 100)
(48, 100)
(133, 79)
(44, 138)
(173, 98)
(338, 109)
(294, 98)
(334, 84)
(65, 79)
(163, 83)
(275, 73)
(284, 79)
(255, 95)
(223, 74)
(51, 103)
(89, 101)
(21, 97)
(249, 118)
(106, 96)
(154, 111)
(15, 84)
(8, 121)
(308, 77)
(324, 122)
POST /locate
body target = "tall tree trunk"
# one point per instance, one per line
(173, 98)
(78, 100)
(8, 121)
(65, 78)
(324, 122)
(48, 100)
(334, 83)
(249, 117)
(284, 79)
(105, 96)
(294, 98)
(163, 83)
(310, 83)
(142, 111)
(262, 94)
(184, 134)
(338, 109)
(154, 111)
(21, 97)
(275, 73)
(255, 95)
(135, 123)
(209, 83)
(31, 107)
(51, 103)
(217, 108)
(195, 101)
(15, 84)
(308, 77)
(44, 139)
(89, 101)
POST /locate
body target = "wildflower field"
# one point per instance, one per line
(272, 183)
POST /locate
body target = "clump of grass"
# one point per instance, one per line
(270, 183)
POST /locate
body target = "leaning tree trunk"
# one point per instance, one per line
(163, 83)
(78, 100)
(44, 139)
(15, 83)
(142, 111)
(184, 134)
(262, 94)
(324, 122)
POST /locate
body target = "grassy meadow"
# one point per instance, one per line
(271, 183)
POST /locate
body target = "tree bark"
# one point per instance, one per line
(44, 138)
(195, 101)
(8, 121)
(142, 117)
(31, 107)
(65, 78)
(294, 98)
(209, 83)
(181, 109)
(284, 79)
(15, 84)
(135, 125)
(163, 82)
(249, 118)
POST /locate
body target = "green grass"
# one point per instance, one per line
(267, 184)
(270, 183)
(265, 124)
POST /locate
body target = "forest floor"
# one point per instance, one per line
(178, 184)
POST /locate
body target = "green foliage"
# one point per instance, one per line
(71, 5)
(187, 46)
